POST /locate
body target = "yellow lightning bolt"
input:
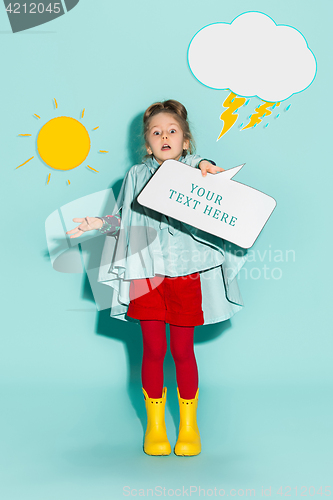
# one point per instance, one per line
(228, 117)
(262, 110)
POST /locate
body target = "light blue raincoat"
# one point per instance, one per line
(147, 240)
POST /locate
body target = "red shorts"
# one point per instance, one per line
(176, 301)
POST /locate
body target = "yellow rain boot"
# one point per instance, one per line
(156, 440)
(188, 442)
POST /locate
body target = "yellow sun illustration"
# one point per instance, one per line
(63, 143)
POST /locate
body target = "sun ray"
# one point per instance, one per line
(24, 135)
(36, 115)
(83, 112)
(48, 178)
(92, 169)
(25, 162)
(55, 102)
(102, 151)
(96, 128)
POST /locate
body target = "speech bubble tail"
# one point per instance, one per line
(231, 172)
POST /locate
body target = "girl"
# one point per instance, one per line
(192, 285)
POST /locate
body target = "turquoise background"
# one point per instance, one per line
(73, 415)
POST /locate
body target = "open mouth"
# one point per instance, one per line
(165, 147)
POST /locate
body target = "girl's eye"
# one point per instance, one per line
(172, 131)
(155, 133)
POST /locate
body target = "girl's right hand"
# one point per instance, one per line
(87, 224)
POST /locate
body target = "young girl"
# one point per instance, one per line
(194, 284)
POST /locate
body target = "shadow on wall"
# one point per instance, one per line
(136, 144)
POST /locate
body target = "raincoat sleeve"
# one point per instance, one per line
(194, 160)
(111, 224)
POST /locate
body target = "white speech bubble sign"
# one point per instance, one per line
(215, 203)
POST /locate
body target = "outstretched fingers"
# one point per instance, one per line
(77, 231)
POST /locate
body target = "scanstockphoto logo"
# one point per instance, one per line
(25, 15)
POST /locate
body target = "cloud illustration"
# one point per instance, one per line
(252, 56)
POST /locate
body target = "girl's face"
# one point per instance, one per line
(165, 138)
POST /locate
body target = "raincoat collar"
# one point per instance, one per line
(153, 164)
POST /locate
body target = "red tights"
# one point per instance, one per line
(182, 350)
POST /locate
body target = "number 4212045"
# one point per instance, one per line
(33, 8)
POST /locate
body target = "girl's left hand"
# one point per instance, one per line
(205, 166)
